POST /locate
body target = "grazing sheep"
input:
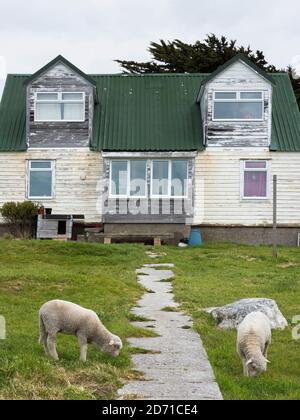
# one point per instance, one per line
(253, 339)
(58, 316)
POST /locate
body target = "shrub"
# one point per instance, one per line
(21, 217)
(7, 237)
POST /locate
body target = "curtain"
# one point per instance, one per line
(255, 184)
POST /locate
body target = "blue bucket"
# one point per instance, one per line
(195, 238)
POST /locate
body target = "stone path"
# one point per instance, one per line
(177, 367)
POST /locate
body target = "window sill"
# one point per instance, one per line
(58, 121)
(254, 199)
(41, 198)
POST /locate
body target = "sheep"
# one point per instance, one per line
(58, 316)
(253, 339)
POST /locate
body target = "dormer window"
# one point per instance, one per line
(235, 106)
(59, 106)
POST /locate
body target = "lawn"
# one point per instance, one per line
(103, 278)
(220, 274)
(97, 277)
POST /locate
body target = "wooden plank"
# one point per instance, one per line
(275, 239)
(59, 134)
(157, 241)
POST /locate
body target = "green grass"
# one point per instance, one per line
(219, 274)
(98, 277)
(103, 278)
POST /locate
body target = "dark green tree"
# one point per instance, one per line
(202, 57)
(295, 79)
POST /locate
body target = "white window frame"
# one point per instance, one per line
(169, 195)
(242, 178)
(51, 169)
(238, 99)
(127, 195)
(60, 101)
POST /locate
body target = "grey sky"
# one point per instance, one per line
(92, 33)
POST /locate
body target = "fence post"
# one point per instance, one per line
(275, 216)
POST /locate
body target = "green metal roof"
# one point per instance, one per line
(286, 116)
(13, 115)
(148, 113)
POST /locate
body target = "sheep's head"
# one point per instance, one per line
(114, 347)
(257, 366)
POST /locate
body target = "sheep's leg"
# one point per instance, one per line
(44, 343)
(51, 345)
(82, 341)
(245, 368)
(265, 352)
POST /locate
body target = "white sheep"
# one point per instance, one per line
(58, 316)
(253, 339)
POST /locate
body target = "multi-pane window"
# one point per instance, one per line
(255, 179)
(40, 179)
(59, 106)
(128, 178)
(238, 106)
(169, 178)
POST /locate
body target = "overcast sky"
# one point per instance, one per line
(92, 33)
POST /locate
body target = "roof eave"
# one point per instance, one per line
(243, 59)
(59, 59)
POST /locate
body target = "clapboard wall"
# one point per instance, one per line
(237, 77)
(218, 199)
(59, 78)
(78, 185)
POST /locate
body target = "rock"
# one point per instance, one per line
(230, 316)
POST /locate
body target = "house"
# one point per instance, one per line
(146, 154)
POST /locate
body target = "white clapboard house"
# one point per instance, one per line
(155, 154)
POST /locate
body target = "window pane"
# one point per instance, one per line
(47, 96)
(255, 184)
(138, 177)
(160, 177)
(179, 178)
(238, 110)
(73, 112)
(225, 95)
(40, 184)
(48, 112)
(40, 165)
(256, 165)
(72, 96)
(251, 95)
(119, 177)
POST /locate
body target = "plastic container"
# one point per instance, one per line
(195, 238)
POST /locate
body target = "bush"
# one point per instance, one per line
(21, 217)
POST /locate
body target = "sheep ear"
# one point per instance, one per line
(249, 362)
(111, 343)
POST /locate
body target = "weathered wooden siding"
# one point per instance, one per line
(60, 134)
(218, 195)
(237, 133)
(150, 210)
(78, 187)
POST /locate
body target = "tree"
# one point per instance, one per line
(295, 79)
(202, 57)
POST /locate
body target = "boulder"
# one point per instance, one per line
(230, 316)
